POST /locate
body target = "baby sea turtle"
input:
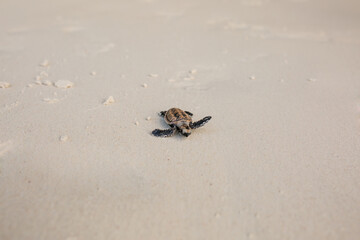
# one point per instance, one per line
(180, 121)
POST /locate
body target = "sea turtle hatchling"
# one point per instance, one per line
(180, 121)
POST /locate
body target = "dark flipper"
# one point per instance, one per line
(189, 113)
(200, 123)
(162, 113)
(164, 133)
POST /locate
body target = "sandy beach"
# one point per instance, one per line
(81, 86)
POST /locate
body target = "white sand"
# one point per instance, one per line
(280, 158)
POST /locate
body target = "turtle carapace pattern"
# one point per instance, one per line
(179, 121)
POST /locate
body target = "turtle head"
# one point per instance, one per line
(185, 130)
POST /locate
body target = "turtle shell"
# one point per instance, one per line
(175, 115)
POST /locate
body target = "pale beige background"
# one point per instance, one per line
(279, 160)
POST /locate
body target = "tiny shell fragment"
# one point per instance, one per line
(193, 71)
(252, 77)
(145, 85)
(51, 100)
(44, 63)
(64, 84)
(148, 118)
(188, 78)
(44, 74)
(109, 100)
(47, 83)
(154, 75)
(312, 79)
(38, 82)
(93, 73)
(64, 138)
(136, 123)
(5, 85)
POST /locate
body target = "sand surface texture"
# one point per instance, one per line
(81, 85)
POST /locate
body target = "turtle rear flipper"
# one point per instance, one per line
(200, 123)
(164, 133)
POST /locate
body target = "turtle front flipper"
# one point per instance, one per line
(189, 113)
(200, 123)
(162, 113)
(164, 133)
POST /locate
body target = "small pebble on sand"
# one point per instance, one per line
(144, 85)
(154, 75)
(64, 84)
(312, 79)
(44, 63)
(38, 82)
(188, 78)
(5, 85)
(193, 71)
(93, 73)
(252, 77)
(44, 74)
(64, 138)
(47, 83)
(148, 118)
(51, 100)
(136, 123)
(109, 100)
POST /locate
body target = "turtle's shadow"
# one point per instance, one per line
(164, 125)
